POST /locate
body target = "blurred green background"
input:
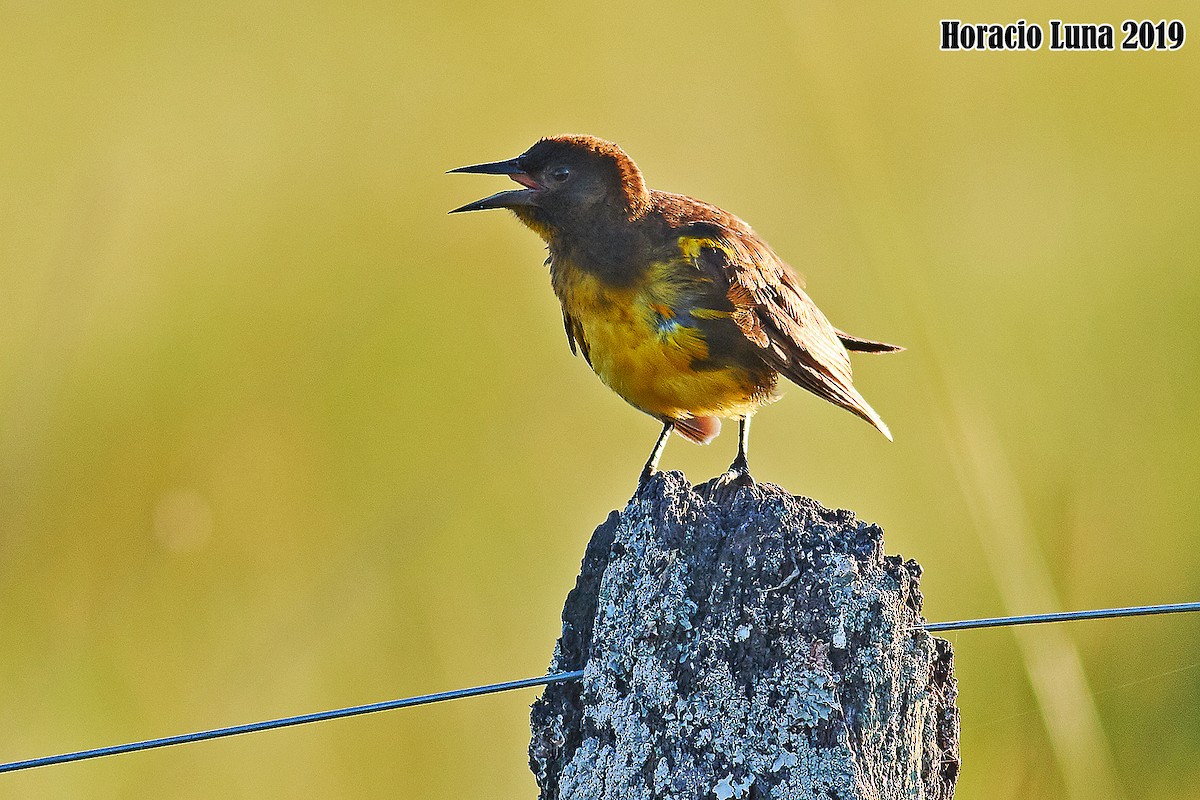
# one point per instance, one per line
(279, 435)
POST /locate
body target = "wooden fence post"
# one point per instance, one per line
(743, 643)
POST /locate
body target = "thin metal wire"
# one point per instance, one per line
(545, 680)
(284, 722)
(1061, 616)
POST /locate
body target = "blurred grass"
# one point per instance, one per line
(276, 434)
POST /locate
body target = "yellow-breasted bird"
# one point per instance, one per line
(677, 305)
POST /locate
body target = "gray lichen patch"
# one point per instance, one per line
(744, 645)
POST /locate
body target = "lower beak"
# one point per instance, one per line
(509, 199)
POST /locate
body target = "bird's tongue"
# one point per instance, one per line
(525, 180)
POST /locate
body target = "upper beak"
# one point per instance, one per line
(514, 197)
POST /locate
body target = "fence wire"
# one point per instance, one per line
(544, 680)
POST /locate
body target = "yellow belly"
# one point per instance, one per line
(641, 353)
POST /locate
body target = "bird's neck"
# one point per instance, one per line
(609, 246)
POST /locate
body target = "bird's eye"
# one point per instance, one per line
(560, 174)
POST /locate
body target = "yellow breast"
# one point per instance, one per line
(638, 346)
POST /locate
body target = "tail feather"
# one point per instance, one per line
(878, 422)
(854, 343)
(701, 430)
(862, 408)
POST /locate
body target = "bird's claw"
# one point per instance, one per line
(737, 477)
(644, 479)
(739, 473)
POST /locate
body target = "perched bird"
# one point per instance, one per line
(677, 305)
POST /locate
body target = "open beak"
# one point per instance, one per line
(513, 197)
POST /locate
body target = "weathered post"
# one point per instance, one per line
(743, 643)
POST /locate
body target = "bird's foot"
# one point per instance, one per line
(738, 473)
(729, 482)
(644, 478)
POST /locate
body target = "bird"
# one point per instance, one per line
(677, 305)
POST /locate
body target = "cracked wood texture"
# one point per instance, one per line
(743, 643)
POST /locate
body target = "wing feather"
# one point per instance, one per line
(575, 338)
(772, 310)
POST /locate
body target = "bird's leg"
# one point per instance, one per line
(656, 453)
(726, 485)
(740, 465)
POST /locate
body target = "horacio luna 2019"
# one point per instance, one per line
(1022, 35)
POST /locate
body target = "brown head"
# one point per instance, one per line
(569, 181)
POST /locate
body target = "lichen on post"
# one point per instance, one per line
(743, 643)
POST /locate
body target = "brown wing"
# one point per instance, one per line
(772, 310)
(575, 337)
